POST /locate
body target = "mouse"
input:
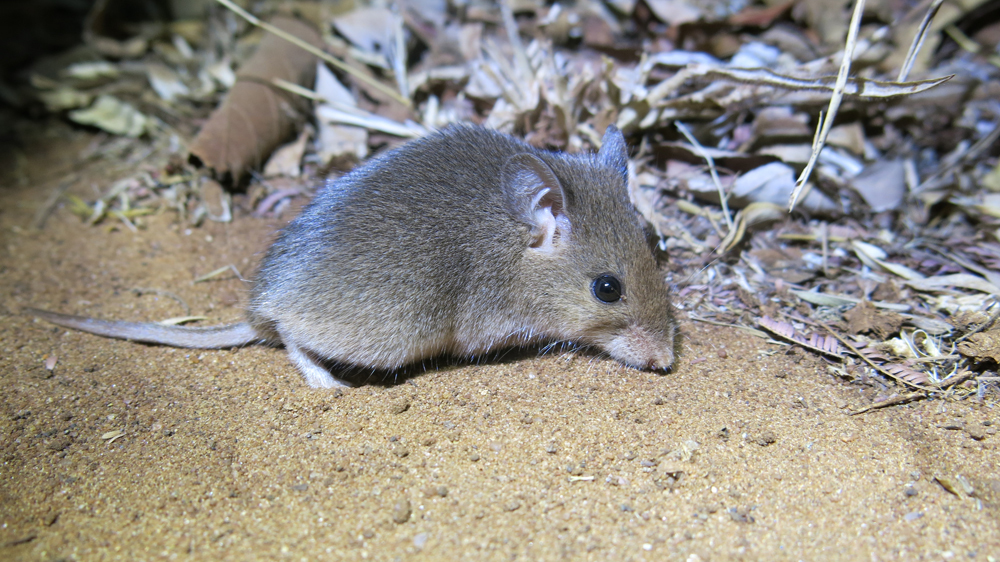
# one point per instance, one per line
(462, 242)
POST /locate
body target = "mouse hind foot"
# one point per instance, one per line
(316, 375)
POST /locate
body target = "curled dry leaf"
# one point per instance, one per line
(256, 116)
(754, 215)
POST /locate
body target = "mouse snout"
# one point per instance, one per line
(642, 348)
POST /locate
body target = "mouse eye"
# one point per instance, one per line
(607, 288)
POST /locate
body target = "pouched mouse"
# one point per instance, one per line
(461, 242)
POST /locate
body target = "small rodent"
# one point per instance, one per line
(461, 242)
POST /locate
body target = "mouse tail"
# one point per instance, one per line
(214, 337)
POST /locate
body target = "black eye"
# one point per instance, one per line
(607, 288)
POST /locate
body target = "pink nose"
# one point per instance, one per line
(662, 361)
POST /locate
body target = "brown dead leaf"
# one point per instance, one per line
(865, 318)
(256, 116)
(823, 344)
(982, 346)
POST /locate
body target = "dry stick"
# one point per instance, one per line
(218, 272)
(891, 402)
(313, 50)
(835, 99)
(918, 41)
(397, 58)
(957, 161)
(825, 243)
(964, 42)
(50, 204)
(956, 379)
(711, 168)
(351, 115)
(864, 87)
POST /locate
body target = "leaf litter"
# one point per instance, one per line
(884, 144)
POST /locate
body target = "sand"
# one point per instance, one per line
(137, 452)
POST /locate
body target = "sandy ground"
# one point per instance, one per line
(744, 452)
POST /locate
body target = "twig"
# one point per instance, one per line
(918, 41)
(46, 209)
(218, 272)
(957, 379)
(397, 52)
(969, 154)
(313, 50)
(711, 168)
(825, 244)
(747, 329)
(350, 115)
(891, 402)
(835, 99)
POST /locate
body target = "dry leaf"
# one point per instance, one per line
(962, 280)
(256, 116)
(882, 185)
(286, 160)
(112, 115)
(982, 345)
(822, 344)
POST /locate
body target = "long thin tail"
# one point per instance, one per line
(214, 337)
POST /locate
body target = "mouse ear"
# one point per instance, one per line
(535, 196)
(613, 151)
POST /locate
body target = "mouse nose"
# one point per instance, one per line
(642, 349)
(663, 361)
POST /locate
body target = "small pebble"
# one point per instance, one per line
(420, 540)
(766, 438)
(399, 406)
(401, 511)
(976, 431)
(512, 505)
(740, 515)
(913, 516)
(436, 491)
